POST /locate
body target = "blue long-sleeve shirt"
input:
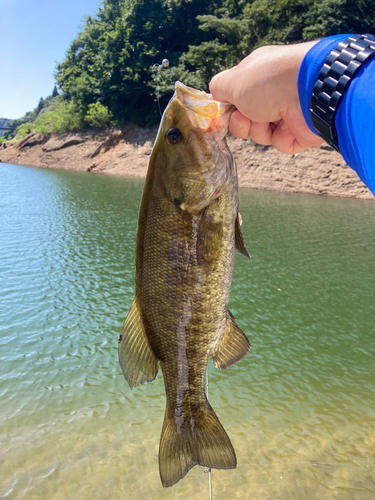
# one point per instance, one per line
(355, 118)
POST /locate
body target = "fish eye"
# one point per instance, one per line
(174, 136)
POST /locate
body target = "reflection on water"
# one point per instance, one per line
(300, 409)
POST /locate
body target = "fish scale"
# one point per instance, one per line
(188, 229)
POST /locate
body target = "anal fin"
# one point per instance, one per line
(233, 347)
(239, 239)
(138, 362)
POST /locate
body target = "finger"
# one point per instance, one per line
(243, 128)
(261, 133)
(285, 139)
(239, 125)
(274, 125)
(220, 86)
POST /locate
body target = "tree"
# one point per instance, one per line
(98, 115)
(111, 59)
(109, 64)
(40, 104)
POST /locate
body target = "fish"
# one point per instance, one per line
(188, 229)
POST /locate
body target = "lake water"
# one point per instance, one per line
(300, 409)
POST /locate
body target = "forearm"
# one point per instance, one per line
(355, 118)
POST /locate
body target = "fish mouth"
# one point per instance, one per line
(203, 174)
(200, 102)
(203, 112)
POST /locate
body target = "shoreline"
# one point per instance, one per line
(126, 152)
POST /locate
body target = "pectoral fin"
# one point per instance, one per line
(239, 240)
(233, 346)
(138, 362)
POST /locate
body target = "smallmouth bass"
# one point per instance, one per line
(188, 229)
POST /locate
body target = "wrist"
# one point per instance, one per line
(309, 72)
(335, 77)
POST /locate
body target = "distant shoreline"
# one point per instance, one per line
(126, 152)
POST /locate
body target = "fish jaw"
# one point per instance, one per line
(203, 111)
(195, 170)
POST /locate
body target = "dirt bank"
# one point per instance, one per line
(126, 152)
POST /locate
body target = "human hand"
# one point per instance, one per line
(263, 87)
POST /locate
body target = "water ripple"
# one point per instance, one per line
(299, 409)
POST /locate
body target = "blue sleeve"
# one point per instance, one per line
(355, 118)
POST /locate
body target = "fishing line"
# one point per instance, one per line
(208, 471)
(156, 68)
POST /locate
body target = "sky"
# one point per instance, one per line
(35, 34)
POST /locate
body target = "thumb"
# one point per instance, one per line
(221, 88)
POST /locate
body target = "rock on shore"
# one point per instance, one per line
(126, 152)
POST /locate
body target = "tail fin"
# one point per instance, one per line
(204, 442)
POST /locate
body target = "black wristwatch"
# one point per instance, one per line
(334, 78)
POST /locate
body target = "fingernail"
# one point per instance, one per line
(241, 122)
(236, 122)
(283, 127)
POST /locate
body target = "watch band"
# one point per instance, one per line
(334, 78)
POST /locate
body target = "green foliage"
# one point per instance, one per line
(106, 76)
(44, 106)
(60, 116)
(65, 117)
(7, 135)
(29, 117)
(213, 53)
(111, 59)
(331, 17)
(23, 130)
(98, 115)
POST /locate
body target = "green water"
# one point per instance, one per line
(300, 409)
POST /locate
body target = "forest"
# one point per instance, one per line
(108, 75)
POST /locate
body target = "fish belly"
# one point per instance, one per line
(183, 284)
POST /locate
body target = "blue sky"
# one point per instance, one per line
(35, 35)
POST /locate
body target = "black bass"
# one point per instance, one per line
(188, 230)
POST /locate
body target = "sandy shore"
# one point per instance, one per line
(126, 152)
